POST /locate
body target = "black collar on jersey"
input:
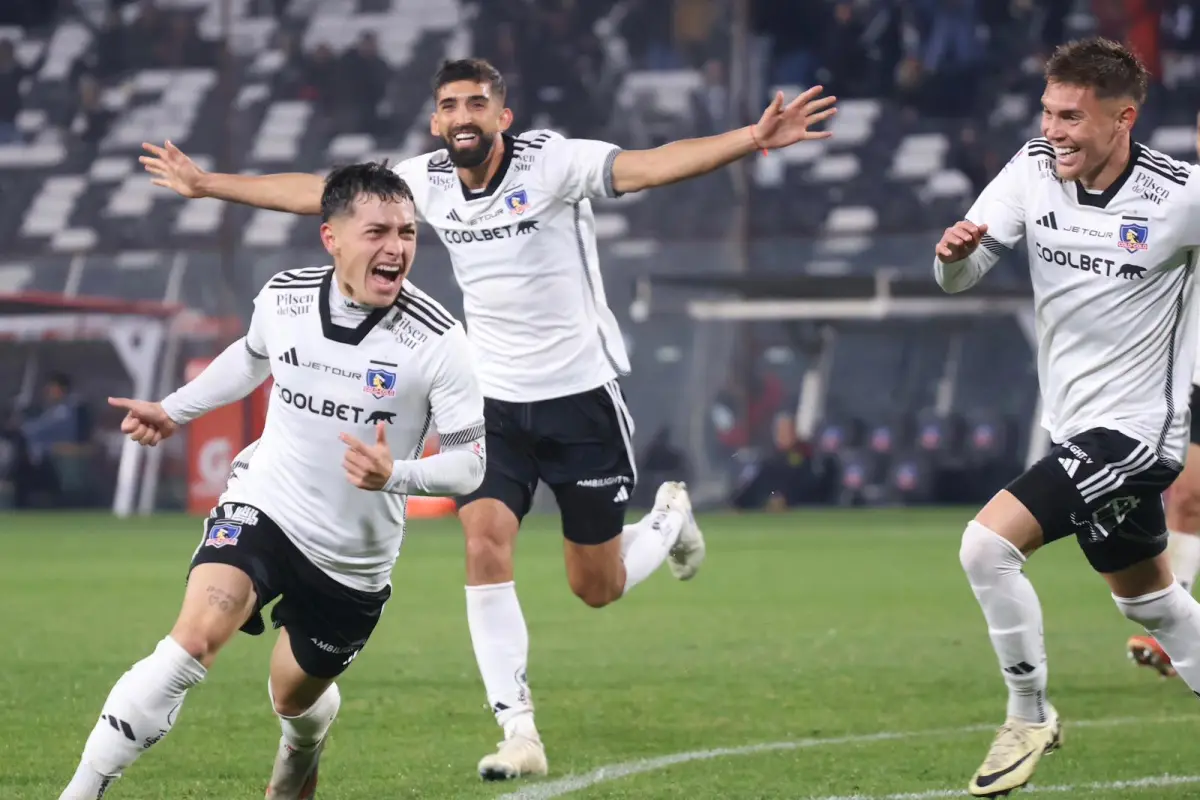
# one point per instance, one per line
(1102, 199)
(338, 333)
(506, 142)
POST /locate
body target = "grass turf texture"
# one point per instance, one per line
(820, 624)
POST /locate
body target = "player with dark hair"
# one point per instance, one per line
(312, 514)
(1112, 230)
(516, 216)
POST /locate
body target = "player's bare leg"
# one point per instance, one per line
(306, 707)
(994, 549)
(1183, 551)
(144, 704)
(500, 638)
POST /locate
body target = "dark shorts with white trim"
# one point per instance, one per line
(579, 445)
(1106, 489)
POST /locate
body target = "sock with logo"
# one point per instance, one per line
(1185, 558)
(1172, 617)
(645, 546)
(305, 731)
(1014, 617)
(501, 643)
(140, 710)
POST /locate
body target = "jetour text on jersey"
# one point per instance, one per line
(321, 408)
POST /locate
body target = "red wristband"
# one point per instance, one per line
(754, 138)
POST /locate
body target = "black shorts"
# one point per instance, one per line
(1195, 409)
(1106, 489)
(580, 445)
(328, 623)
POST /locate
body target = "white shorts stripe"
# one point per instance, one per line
(1109, 479)
(624, 422)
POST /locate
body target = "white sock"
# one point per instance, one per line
(501, 643)
(1014, 617)
(645, 546)
(140, 710)
(1172, 617)
(306, 731)
(1184, 551)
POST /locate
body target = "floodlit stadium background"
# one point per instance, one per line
(792, 355)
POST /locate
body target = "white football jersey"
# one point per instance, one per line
(524, 254)
(408, 366)
(1113, 290)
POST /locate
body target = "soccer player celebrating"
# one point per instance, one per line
(1112, 230)
(1183, 524)
(515, 214)
(314, 511)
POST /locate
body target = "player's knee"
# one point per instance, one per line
(593, 590)
(200, 642)
(1185, 504)
(984, 554)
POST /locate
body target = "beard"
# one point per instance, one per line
(473, 156)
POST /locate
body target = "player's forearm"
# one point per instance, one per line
(635, 170)
(958, 276)
(230, 377)
(293, 192)
(457, 470)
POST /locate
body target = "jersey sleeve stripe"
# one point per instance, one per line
(416, 314)
(300, 284)
(465, 436)
(1162, 161)
(610, 188)
(992, 245)
(1157, 170)
(254, 353)
(430, 308)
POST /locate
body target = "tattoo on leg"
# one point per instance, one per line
(221, 599)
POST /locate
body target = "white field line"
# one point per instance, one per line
(547, 790)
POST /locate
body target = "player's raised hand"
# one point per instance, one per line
(783, 125)
(172, 169)
(145, 423)
(960, 240)
(368, 466)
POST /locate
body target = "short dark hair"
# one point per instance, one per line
(59, 379)
(1106, 67)
(346, 184)
(470, 69)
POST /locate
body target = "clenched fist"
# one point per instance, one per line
(959, 241)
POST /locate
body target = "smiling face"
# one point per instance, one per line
(469, 116)
(1085, 130)
(372, 244)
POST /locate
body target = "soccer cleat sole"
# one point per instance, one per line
(1052, 746)
(1143, 654)
(493, 774)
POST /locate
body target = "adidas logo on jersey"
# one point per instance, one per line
(1049, 221)
(453, 216)
(289, 357)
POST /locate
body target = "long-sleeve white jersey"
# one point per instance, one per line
(524, 254)
(1112, 289)
(341, 368)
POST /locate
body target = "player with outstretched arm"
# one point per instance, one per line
(515, 214)
(314, 512)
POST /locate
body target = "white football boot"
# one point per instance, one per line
(688, 553)
(517, 756)
(294, 776)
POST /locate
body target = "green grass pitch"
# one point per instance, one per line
(815, 624)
